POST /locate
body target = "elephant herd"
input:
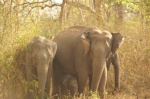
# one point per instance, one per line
(77, 55)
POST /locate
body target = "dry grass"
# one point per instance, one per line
(134, 56)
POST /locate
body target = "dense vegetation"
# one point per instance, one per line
(21, 20)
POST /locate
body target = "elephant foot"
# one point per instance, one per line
(102, 96)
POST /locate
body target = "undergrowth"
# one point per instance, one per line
(134, 57)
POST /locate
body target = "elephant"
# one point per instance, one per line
(39, 59)
(83, 51)
(114, 59)
(69, 85)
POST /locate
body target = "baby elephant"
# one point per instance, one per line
(69, 85)
(39, 57)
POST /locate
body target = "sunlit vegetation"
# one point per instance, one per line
(21, 20)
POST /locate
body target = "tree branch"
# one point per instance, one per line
(36, 4)
(80, 5)
(44, 6)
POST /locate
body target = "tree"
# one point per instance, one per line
(119, 13)
(97, 7)
(62, 13)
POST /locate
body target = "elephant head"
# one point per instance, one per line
(39, 58)
(99, 44)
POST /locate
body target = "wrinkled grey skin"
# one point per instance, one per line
(114, 59)
(83, 51)
(39, 58)
(69, 85)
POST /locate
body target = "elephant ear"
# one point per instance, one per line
(86, 42)
(116, 41)
(52, 48)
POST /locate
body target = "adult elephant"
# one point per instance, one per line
(83, 51)
(39, 58)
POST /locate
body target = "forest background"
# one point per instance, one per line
(21, 20)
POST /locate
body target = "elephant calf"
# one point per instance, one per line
(69, 85)
(39, 58)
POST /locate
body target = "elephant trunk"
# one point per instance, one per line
(42, 75)
(99, 63)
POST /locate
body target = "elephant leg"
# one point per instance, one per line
(56, 80)
(42, 75)
(82, 76)
(31, 76)
(90, 81)
(102, 84)
(83, 73)
(82, 80)
(82, 65)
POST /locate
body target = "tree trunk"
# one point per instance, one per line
(62, 13)
(97, 7)
(119, 13)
